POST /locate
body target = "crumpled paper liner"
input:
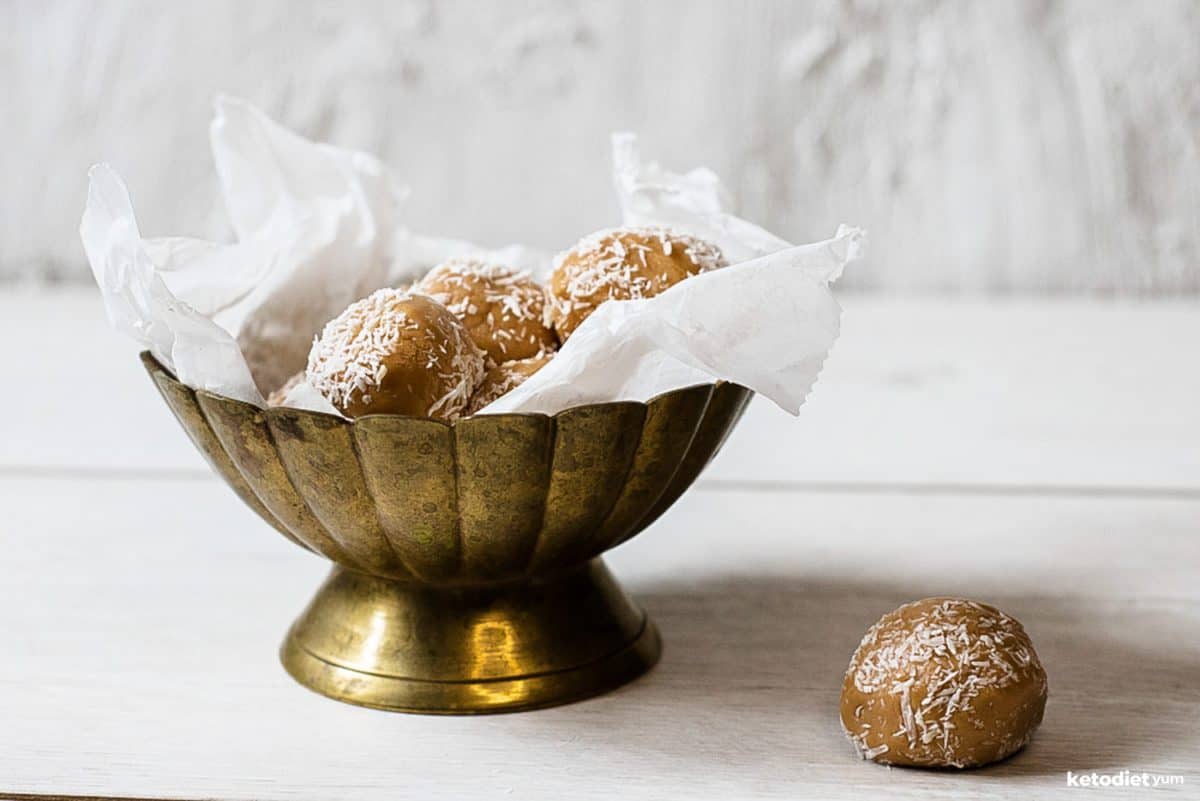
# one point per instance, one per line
(318, 227)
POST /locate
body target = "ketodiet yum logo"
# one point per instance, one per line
(1124, 778)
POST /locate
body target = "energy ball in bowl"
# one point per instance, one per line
(396, 353)
(502, 308)
(504, 378)
(621, 264)
(279, 396)
(941, 683)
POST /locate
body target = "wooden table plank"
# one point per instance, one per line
(141, 620)
(927, 392)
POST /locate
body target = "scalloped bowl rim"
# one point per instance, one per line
(277, 411)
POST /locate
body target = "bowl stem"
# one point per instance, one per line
(466, 650)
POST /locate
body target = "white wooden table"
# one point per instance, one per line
(1044, 456)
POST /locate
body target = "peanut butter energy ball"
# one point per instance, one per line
(943, 682)
(503, 378)
(279, 396)
(396, 353)
(502, 308)
(621, 264)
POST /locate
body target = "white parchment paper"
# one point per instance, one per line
(318, 227)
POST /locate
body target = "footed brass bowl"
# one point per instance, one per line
(467, 575)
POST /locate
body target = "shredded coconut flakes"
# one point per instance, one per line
(937, 653)
(609, 265)
(348, 358)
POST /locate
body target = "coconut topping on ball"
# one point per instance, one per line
(943, 682)
(622, 264)
(398, 353)
(503, 309)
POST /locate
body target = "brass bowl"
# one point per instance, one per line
(467, 575)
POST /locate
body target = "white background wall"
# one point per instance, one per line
(995, 145)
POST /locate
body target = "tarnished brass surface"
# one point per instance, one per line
(450, 538)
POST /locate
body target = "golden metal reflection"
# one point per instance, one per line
(496, 651)
(467, 575)
(377, 633)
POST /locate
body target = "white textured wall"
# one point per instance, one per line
(988, 144)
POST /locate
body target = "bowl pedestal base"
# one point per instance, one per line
(472, 649)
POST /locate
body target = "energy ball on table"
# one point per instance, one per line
(621, 264)
(503, 378)
(502, 308)
(396, 353)
(943, 682)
